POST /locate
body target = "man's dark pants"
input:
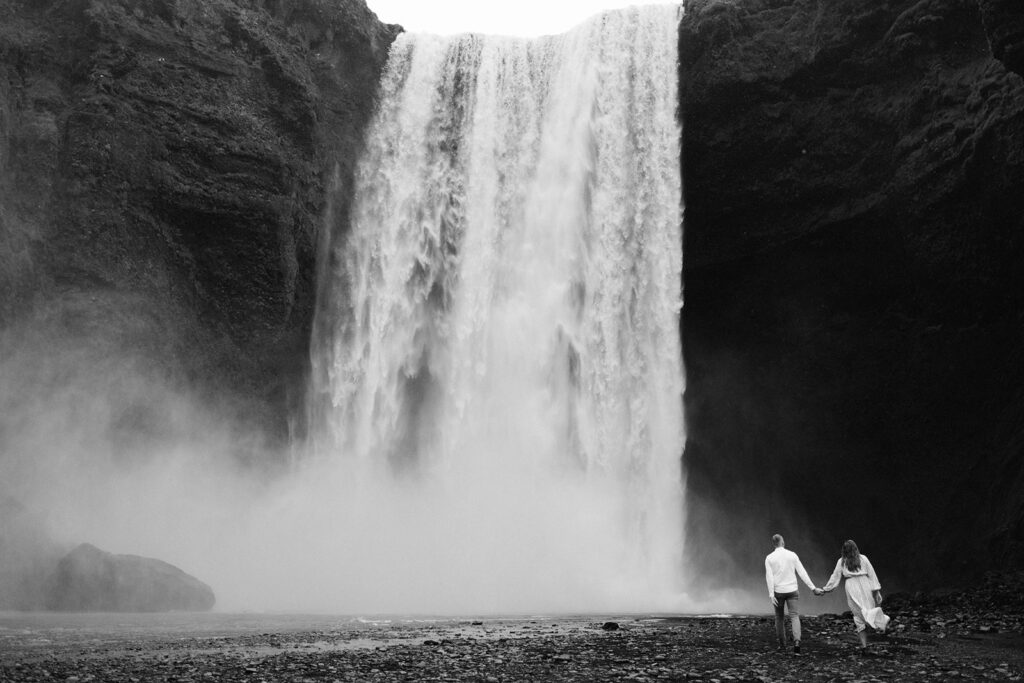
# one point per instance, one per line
(794, 616)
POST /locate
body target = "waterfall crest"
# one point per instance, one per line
(497, 371)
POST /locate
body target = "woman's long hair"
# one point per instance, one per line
(851, 556)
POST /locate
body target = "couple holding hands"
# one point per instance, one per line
(863, 591)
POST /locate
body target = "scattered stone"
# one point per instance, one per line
(610, 626)
(682, 648)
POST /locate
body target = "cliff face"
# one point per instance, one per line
(164, 168)
(853, 257)
(854, 283)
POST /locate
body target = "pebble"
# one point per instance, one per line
(683, 648)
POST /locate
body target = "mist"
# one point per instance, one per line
(322, 537)
(500, 402)
(103, 442)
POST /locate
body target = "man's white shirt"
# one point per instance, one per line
(781, 568)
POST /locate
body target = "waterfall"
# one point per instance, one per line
(497, 370)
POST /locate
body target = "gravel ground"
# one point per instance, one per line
(80, 648)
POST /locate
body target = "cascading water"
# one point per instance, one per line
(497, 366)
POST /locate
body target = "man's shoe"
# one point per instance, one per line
(796, 648)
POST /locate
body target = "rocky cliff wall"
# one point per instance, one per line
(853, 320)
(164, 170)
(854, 285)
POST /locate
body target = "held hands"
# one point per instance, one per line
(818, 591)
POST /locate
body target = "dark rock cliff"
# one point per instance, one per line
(853, 257)
(854, 284)
(164, 168)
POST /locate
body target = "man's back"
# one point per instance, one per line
(781, 569)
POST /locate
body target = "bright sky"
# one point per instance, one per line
(504, 17)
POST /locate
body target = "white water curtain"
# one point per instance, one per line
(502, 352)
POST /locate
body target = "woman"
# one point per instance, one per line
(863, 591)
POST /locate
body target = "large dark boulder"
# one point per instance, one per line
(90, 580)
(854, 287)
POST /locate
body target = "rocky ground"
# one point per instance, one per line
(961, 636)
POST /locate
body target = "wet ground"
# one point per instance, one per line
(215, 647)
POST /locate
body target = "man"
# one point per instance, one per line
(781, 568)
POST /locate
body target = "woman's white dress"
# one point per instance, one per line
(860, 586)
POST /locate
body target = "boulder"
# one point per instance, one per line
(91, 580)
